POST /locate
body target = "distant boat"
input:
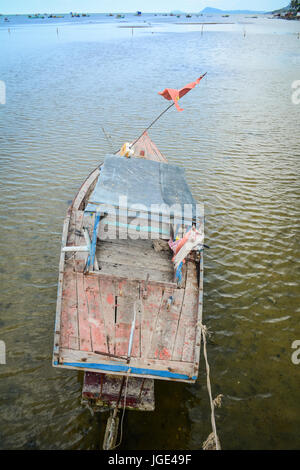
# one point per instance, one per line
(188, 16)
(138, 13)
(37, 16)
(120, 16)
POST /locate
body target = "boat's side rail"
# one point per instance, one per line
(59, 289)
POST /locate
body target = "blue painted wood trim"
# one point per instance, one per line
(123, 368)
(91, 258)
(138, 228)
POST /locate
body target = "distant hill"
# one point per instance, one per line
(282, 10)
(216, 11)
(291, 9)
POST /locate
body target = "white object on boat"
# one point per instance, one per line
(86, 247)
(75, 248)
(126, 150)
(196, 238)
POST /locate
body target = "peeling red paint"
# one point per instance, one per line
(110, 299)
(163, 353)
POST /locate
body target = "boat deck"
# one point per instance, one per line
(95, 311)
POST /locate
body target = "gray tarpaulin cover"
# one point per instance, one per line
(143, 182)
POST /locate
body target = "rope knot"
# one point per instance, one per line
(205, 331)
(218, 401)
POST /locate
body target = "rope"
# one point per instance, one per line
(123, 413)
(127, 376)
(213, 437)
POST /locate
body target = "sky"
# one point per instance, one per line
(106, 6)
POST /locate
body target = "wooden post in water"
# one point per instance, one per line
(111, 431)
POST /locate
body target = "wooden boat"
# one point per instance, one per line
(120, 311)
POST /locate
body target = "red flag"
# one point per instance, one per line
(175, 95)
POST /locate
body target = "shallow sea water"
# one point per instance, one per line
(237, 138)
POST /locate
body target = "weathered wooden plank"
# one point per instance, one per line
(190, 312)
(64, 336)
(179, 340)
(96, 319)
(128, 294)
(132, 272)
(102, 392)
(57, 329)
(136, 346)
(83, 315)
(143, 247)
(69, 324)
(69, 256)
(108, 299)
(115, 254)
(199, 322)
(181, 326)
(166, 329)
(71, 231)
(158, 349)
(151, 306)
(154, 375)
(185, 337)
(86, 357)
(128, 277)
(80, 257)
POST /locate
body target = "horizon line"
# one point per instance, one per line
(124, 12)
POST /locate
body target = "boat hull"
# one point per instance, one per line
(95, 309)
